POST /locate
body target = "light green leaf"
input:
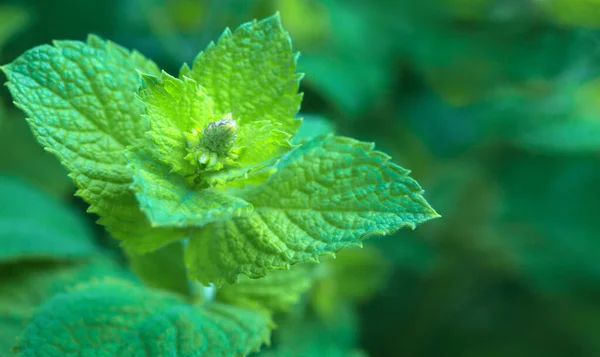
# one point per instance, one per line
(127, 320)
(34, 226)
(329, 194)
(278, 291)
(174, 107)
(251, 73)
(168, 200)
(79, 98)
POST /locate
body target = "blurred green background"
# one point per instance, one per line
(493, 104)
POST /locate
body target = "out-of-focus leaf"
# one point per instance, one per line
(12, 20)
(163, 269)
(313, 126)
(278, 291)
(22, 156)
(35, 226)
(303, 336)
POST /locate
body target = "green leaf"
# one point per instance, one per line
(32, 163)
(34, 226)
(313, 126)
(278, 291)
(355, 275)
(127, 320)
(163, 269)
(79, 98)
(251, 73)
(168, 200)
(329, 194)
(26, 286)
(307, 335)
(174, 107)
(12, 19)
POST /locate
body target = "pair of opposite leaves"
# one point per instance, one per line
(135, 159)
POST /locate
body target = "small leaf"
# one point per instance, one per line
(278, 291)
(174, 107)
(168, 200)
(251, 73)
(34, 226)
(163, 269)
(313, 126)
(79, 98)
(127, 320)
(329, 194)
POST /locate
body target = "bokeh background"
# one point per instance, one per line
(493, 104)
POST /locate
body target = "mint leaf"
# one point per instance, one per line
(26, 286)
(34, 226)
(127, 320)
(313, 126)
(278, 291)
(12, 20)
(168, 200)
(163, 269)
(329, 194)
(251, 73)
(79, 98)
(28, 160)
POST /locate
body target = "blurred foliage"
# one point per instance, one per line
(494, 106)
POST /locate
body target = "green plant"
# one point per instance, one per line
(201, 167)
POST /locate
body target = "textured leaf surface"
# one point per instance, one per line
(174, 107)
(121, 319)
(26, 286)
(79, 98)
(278, 291)
(251, 73)
(330, 193)
(34, 226)
(168, 200)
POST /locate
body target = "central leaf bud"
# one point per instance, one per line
(219, 136)
(214, 146)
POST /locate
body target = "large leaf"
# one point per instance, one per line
(329, 194)
(26, 286)
(251, 73)
(121, 319)
(79, 98)
(34, 226)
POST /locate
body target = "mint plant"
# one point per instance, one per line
(200, 165)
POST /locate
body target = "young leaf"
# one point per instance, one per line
(168, 200)
(251, 73)
(329, 194)
(163, 269)
(34, 226)
(79, 98)
(278, 291)
(127, 320)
